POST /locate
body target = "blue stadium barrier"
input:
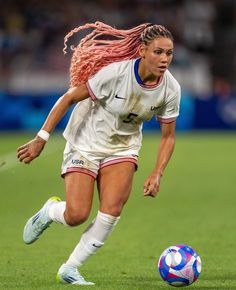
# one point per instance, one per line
(22, 112)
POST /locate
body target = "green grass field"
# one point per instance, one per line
(196, 206)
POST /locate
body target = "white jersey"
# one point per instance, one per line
(111, 121)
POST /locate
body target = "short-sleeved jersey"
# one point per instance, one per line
(111, 121)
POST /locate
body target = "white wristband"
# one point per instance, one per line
(44, 135)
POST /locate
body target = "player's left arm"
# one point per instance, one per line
(165, 150)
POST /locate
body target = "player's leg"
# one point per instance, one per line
(79, 174)
(79, 194)
(79, 189)
(114, 185)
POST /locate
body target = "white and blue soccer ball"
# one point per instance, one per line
(179, 265)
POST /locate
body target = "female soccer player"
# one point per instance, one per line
(119, 78)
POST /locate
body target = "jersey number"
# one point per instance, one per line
(130, 118)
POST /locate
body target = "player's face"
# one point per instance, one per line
(157, 56)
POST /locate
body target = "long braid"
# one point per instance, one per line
(105, 45)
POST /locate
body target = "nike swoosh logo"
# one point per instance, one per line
(117, 97)
(96, 246)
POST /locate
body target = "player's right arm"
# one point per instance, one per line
(29, 151)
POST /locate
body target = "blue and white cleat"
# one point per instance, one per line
(39, 222)
(70, 275)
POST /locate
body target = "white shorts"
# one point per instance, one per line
(88, 163)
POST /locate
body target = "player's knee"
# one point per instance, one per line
(114, 210)
(75, 218)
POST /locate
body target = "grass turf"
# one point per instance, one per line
(196, 206)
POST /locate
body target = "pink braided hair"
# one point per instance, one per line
(105, 45)
(97, 49)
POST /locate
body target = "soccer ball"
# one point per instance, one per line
(179, 265)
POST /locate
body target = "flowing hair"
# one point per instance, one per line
(105, 45)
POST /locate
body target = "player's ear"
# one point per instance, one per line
(142, 50)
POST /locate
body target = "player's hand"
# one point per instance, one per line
(152, 185)
(29, 151)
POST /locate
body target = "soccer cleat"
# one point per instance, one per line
(70, 275)
(39, 222)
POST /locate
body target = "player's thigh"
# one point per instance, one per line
(114, 186)
(79, 192)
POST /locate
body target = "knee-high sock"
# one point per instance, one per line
(56, 212)
(92, 239)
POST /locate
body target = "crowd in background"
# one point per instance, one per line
(32, 31)
(34, 72)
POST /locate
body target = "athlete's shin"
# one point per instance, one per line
(92, 239)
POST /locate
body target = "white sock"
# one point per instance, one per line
(56, 212)
(92, 239)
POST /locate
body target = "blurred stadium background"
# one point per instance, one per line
(34, 71)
